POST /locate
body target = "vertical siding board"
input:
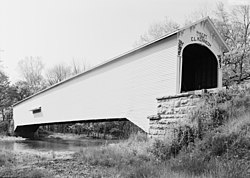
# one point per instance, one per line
(127, 87)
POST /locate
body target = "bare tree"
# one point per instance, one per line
(234, 27)
(78, 66)
(157, 30)
(31, 69)
(1, 65)
(63, 71)
(58, 73)
(199, 14)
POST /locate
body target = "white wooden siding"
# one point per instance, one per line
(125, 88)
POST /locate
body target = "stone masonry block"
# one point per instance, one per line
(171, 110)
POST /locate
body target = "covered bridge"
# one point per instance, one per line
(127, 86)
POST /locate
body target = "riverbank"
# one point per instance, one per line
(9, 138)
(53, 156)
(26, 164)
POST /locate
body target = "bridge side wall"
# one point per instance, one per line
(124, 88)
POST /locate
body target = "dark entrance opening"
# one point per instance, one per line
(199, 68)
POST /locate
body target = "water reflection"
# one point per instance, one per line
(52, 144)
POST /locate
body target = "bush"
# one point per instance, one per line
(163, 150)
(4, 127)
(160, 150)
(186, 135)
(130, 152)
(138, 137)
(144, 170)
(190, 163)
(233, 168)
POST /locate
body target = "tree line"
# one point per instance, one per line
(103, 129)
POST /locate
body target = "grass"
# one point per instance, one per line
(130, 152)
(214, 143)
(24, 173)
(9, 167)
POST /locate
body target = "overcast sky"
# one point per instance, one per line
(96, 30)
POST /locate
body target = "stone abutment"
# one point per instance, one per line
(171, 110)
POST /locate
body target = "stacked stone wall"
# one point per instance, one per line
(171, 111)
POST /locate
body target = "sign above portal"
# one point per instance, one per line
(201, 37)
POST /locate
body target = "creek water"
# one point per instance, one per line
(52, 144)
